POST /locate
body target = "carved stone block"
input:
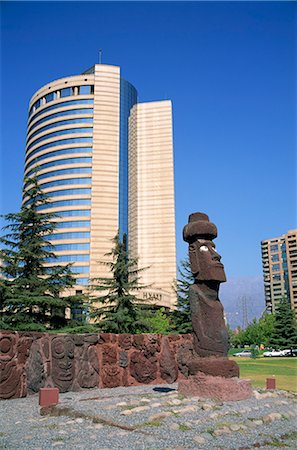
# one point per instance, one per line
(142, 369)
(63, 369)
(168, 365)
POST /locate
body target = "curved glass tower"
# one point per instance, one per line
(78, 144)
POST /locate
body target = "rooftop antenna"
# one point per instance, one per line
(245, 321)
(100, 56)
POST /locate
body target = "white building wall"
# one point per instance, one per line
(151, 198)
(105, 166)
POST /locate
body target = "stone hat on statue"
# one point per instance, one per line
(199, 227)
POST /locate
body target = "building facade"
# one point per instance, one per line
(279, 260)
(106, 163)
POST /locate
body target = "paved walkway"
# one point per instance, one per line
(150, 417)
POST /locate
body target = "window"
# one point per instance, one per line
(50, 97)
(274, 248)
(74, 269)
(67, 247)
(65, 182)
(75, 202)
(82, 281)
(61, 142)
(74, 224)
(275, 267)
(31, 110)
(78, 312)
(64, 192)
(80, 269)
(65, 151)
(66, 92)
(62, 122)
(76, 212)
(276, 277)
(37, 104)
(57, 143)
(61, 114)
(70, 235)
(79, 191)
(85, 90)
(275, 257)
(65, 172)
(59, 162)
(60, 104)
(59, 133)
(68, 258)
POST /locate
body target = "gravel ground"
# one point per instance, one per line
(150, 417)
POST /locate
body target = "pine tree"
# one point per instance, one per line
(118, 308)
(284, 334)
(182, 315)
(29, 292)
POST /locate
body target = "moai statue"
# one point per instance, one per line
(210, 333)
(210, 373)
(210, 336)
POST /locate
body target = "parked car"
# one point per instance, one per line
(275, 353)
(291, 352)
(243, 353)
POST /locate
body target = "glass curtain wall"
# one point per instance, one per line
(128, 98)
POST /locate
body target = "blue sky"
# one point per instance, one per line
(229, 69)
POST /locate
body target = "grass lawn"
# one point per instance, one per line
(257, 370)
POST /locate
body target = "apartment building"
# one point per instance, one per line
(279, 260)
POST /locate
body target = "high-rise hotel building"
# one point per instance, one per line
(106, 163)
(279, 260)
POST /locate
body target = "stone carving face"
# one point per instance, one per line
(14, 351)
(62, 362)
(10, 373)
(206, 262)
(7, 344)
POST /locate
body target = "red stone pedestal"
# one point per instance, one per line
(48, 397)
(215, 366)
(270, 383)
(216, 388)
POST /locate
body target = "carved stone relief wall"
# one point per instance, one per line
(30, 361)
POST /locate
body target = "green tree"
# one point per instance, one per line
(253, 334)
(236, 337)
(255, 352)
(284, 334)
(267, 325)
(154, 321)
(29, 292)
(118, 307)
(181, 317)
(257, 332)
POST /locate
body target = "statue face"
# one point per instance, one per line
(62, 362)
(205, 261)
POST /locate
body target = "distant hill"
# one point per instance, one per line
(238, 292)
